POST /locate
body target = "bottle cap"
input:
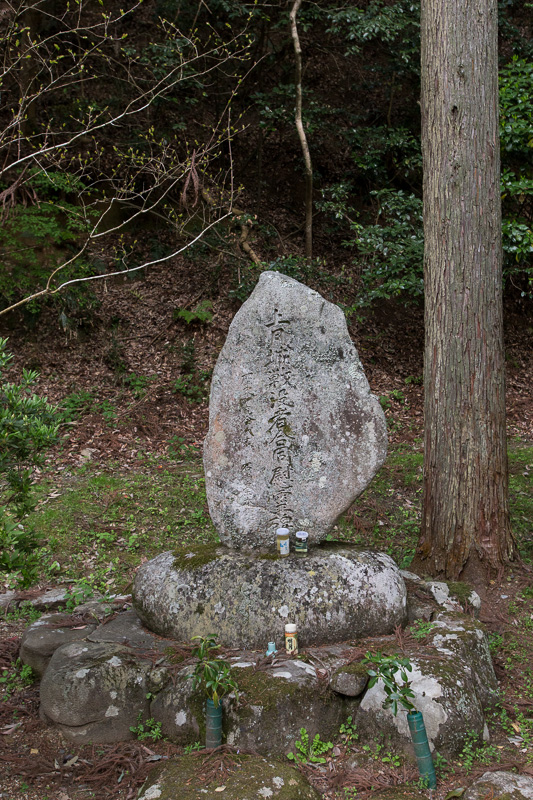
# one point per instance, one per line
(302, 535)
(290, 628)
(282, 532)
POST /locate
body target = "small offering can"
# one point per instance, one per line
(291, 639)
(301, 543)
(282, 542)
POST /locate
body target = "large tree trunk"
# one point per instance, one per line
(465, 519)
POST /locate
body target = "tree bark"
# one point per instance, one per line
(301, 133)
(465, 518)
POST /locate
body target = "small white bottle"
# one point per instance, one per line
(282, 542)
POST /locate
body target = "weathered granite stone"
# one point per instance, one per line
(456, 634)
(251, 777)
(42, 638)
(452, 685)
(336, 594)
(350, 679)
(127, 629)
(294, 433)
(275, 702)
(506, 785)
(94, 692)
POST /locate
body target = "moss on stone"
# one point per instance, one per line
(355, 668)
(260, 688)
(268, 556)
(195, 556)
(461, 591)
(183, 777)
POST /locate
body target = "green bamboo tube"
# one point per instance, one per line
(213, 724)
(421, 746)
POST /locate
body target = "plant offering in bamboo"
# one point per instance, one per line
(386, 669)
(212, 675)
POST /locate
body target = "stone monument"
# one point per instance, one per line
(294, 433)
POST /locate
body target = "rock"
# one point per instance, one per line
(506, 785)
(7, 599)
(275, 702)
(94, 692)
(294, 433)
(350, 680)
(457, 635)
(251, 777)
(418, 608)
(51, 599)
(127, 629)
(94, 608)
(446, 696)
(337, 593)
(42, 638)
(450, 691)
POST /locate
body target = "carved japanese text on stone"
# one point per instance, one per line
(295, 434)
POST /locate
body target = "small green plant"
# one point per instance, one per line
(193, 387)
(420, 629)
(348, 731)
(199, 314)
(386, 670)
(17, 678)
(392, 759)
(193, 748)
(312, 751)
(147, 729)
(26, 611)
(350, 792)
(212, 675)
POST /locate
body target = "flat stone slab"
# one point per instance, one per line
(335, 593)
(126, 628)
(294, 433)
(251, 777)
(42, 638)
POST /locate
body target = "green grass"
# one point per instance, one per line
(521, 496)
(387, 515)
(105, 520)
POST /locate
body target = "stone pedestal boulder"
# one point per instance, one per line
(335, 593)
(294, 433)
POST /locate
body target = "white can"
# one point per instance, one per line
(282, 541)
